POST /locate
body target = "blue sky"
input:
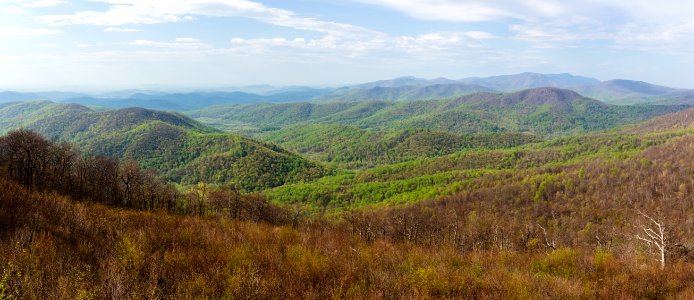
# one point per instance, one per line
(221, 43)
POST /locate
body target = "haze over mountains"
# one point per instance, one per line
(399, 89)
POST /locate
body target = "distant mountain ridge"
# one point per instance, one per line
(392, 92)
(196, 100)
(166, 101)
(404, 81)
(11, 96)
(413, 88)
(530, 80)
(621, 91)
(617, 91)
(543, 111)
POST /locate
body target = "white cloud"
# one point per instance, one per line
(25, 32)
(440, 41)
(24, 7)
(431, 43)
(121, 29)
(636, 24)
(546, 36)
(137, 12)
(676, 38)
(472, 10)
(344, 38)
(325, 43)
(184, 43)
(480, 35)
(35, 3)
(494, 10)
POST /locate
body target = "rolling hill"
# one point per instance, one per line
(553, 219)
(181, 149)
(678, 121)
(542, 111)
(456, 170)
(434, 212)
(557, 231)
(352, 147)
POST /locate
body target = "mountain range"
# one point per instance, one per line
(542, 111)
(616, 91)
(530, 192)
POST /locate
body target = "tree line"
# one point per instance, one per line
(46, 166)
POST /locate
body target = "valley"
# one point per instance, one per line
(342, 155)
(352, 149)
(489, 195)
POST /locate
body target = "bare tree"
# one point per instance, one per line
(129, 174)
(549, 244)
(654, 237)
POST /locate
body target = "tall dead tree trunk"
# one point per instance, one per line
(654, 237)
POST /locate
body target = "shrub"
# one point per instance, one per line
(561, 262)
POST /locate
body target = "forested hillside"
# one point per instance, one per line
(532, 194)
(181, 149)
(426, 178)
(352, 147)
(349, 149)
(541, 111)
(574, 217)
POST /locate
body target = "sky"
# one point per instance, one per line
(219, 43)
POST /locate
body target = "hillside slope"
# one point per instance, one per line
(353, 147)
(181, 149)
(680, 120)
(542, 111)
(433, 176)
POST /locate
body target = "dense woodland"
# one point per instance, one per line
(561, 230)
(540, 111)
(44, 166)
(354, 148)
(573, 217)
(179, 148)
(549, 233)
